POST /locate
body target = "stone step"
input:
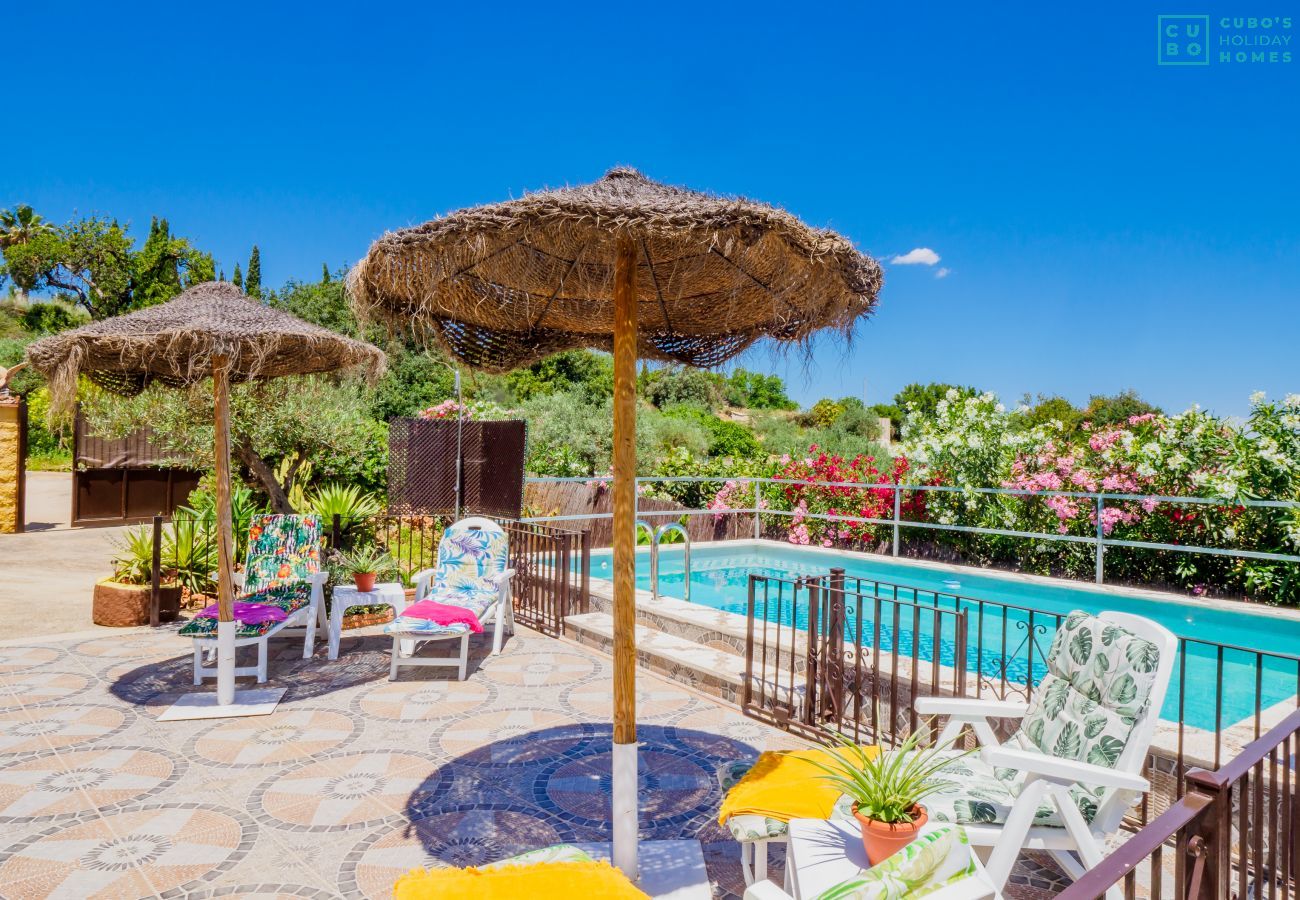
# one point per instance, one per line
(710, 670)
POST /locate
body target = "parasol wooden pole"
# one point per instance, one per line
(225, 541)
(624, 800)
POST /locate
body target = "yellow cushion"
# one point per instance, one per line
(539, 881)
(784, 785)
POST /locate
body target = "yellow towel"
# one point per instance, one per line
(784, 785)
(538, 881)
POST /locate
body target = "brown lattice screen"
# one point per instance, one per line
(422, 467)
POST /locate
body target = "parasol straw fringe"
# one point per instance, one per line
(176, 343)
(506, 284)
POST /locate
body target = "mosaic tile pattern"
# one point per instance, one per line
(352, 782)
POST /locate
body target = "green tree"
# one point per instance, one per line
(276, 427)
(593, 372)
(253, 279)
(238, 280)
(1116, 409)
(19, 225)
(324, 273)
(754, 390)
(924, 398)
(324, 303)
(678, 384)
(94, 263)
(823, 414)
(1048, 409)
(415, 380)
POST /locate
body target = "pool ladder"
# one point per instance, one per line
(656, 535)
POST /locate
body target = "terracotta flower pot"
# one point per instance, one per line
(365, 581)
(882, 840)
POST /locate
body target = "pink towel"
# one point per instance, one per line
(248, 613)
(443, 614)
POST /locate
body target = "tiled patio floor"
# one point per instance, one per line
(353, 781)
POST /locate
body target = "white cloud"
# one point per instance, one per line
(921, 256)
(943, 272)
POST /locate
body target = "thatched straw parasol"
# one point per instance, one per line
(211, 331)
(628, 265)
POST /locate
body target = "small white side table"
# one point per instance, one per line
(822, 854)
(346, 595)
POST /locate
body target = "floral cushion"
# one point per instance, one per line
(1099, 681)
(935, 860)
(281, 549)
(289, 597)
(469, 562)
(476, 602)
(409, 625)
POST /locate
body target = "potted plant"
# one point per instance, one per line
(122, 599)
(887, 789)
(365, 563)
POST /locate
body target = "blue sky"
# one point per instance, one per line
(1105, 222)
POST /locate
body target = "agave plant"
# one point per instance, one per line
(190, 548)
(366, 559)
(352, 505)
(133, 559)
(886, 786)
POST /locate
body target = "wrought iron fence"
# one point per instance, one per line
(832, 649)
(820, 654)
(1236, 833)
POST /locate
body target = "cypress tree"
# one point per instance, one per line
(239, 278)
(324, 273)
(222, 275)
(253, 280)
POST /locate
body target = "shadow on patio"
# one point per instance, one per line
(363, 659)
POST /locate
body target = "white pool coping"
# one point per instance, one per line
(1108, 590)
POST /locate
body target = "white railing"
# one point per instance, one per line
(1100, 541)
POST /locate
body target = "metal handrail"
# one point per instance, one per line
(896, 523)
(654, 558)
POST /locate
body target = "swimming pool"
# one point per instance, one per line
(720, 575)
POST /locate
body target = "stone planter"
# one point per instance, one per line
(124, 605)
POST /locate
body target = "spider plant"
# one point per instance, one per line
(366, 559)
(887, 786)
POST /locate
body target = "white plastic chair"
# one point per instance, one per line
(1060, 782)
(442, 583)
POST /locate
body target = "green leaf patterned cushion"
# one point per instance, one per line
(1099, 681)
(971, 792)
(558, 853)
(935, 860)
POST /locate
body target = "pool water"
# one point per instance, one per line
(720, 577)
